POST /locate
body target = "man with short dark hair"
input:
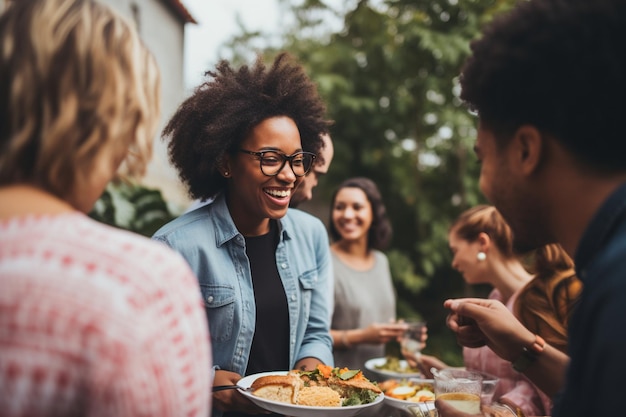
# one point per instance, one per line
(320, 167)
(548, 82)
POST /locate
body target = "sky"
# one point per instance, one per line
(217, 23)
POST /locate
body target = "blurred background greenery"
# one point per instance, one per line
(390, 81)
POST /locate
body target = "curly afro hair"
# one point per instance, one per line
(379, 234)
(559, 65)
(225, 108)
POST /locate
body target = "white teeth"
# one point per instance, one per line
(278, 193)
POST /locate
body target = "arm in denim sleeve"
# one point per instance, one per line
(317, 341)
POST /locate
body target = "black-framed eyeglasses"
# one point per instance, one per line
(272, 162)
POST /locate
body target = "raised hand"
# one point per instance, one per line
(479, 322)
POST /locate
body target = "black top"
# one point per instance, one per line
(270, 344)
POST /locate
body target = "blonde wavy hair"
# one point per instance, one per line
(76, 84)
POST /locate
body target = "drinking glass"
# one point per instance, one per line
(411, 342)
(459, 388)
(490, 383)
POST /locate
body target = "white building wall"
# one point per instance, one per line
(163, 33)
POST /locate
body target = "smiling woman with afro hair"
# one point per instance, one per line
(244, 141)
(223, 110)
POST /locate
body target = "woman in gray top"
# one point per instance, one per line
(365, 302)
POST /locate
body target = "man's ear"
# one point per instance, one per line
(529, 148)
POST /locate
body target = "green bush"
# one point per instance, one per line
(132, 207)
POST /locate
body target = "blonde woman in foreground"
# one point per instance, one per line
(95, 321)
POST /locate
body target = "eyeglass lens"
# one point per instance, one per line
(273, 162)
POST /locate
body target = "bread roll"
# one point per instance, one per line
(282, 388)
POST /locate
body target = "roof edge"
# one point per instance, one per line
(180, 10)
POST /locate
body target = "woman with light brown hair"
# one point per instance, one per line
(95, 321)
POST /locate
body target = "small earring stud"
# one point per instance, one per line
(481, 256)
(226, 173)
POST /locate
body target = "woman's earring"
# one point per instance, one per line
(226, 174)
(481, 256)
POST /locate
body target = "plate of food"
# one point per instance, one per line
(325, 391)
(391, 367)
(402, 393)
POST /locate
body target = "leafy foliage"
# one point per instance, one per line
(132, 207)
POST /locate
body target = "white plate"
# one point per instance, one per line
(301, 410)
(371, 365)
(403, 404)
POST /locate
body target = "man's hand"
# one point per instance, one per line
(478, 322)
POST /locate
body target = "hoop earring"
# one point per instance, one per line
(481, 256)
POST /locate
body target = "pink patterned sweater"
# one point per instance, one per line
(96, 321)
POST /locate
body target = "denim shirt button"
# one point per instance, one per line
(284, 265)
(209, 299)
(293, 297)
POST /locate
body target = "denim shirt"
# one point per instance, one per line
(596, 377)
(208, 239)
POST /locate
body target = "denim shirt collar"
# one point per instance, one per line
(599, 230)
(225, 226)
